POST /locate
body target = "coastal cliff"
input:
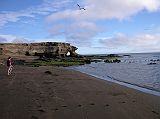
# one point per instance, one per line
(43, 48)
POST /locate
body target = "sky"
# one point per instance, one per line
(105, 26)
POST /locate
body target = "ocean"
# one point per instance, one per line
(140, 71)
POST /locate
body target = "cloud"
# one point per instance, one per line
(18, 39)
(2, 40)
(153, 28)
(7, 38)
(110, 9)
(75, 29)
(22, 40)
(81, 25)
(43, 9)
(12, 17)
(14, 39)
(137, 43)
(78, 33)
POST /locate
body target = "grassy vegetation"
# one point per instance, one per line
(56, 63)
(111, 58)
(68, 61)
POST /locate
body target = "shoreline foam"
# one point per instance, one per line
(123, 83)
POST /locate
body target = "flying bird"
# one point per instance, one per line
(81, 8)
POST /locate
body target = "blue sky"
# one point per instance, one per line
(109, 26)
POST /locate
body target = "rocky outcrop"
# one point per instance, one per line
(42, 49)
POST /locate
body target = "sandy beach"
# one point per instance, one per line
(30, 93)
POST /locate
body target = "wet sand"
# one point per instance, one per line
(30, 93)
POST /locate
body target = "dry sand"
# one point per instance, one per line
(29, 93)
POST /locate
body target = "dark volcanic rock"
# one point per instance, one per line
(152, 63)
(48, 72)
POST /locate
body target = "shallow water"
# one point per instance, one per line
(133, 70)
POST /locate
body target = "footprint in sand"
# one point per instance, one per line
(34, 117)
(56, 109)
(79, 105)
(133, 101)
(55, 75)
(92, 104)
(37, 99)
(41, 110)
(107, 105)
(64, 106)
(39, 106)
(122, 102)
(155, 112)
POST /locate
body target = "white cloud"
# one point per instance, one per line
(108, 9)
(137, 43)
(19, 39)
(153, 28)
(78, 33)
(7, 38)
(22, 40)
(12, 17)
(70, 22)
(14, 39)
(2, 40)
(43, 9)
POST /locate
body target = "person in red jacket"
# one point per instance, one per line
(9, 64)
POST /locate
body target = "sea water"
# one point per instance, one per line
(134, 71)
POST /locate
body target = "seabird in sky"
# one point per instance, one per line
(81, 8)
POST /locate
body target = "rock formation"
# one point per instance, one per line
(45, 48)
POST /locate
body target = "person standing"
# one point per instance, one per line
(9, 64)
